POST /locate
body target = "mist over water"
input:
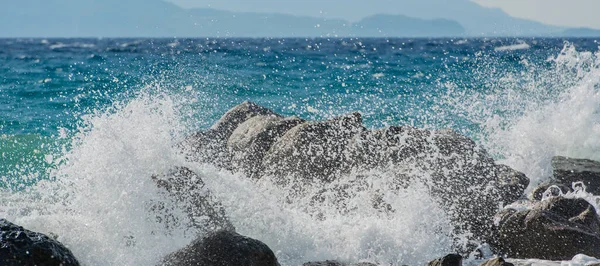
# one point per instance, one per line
(92, 187)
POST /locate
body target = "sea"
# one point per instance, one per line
(85, 123)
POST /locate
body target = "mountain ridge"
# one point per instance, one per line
(158, 18)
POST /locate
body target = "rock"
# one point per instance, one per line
(336, 263)
(238, 115)
(554, 229)
(448, 260)
(568, 170)
(20, 246)
(251, 140)
(496, 262)
(460, 174)
(223, 248)
(511, 183)
(557, 189)
(189, 192)
(312, 150)
(210, 146)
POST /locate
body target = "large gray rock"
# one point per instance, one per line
(223, 248)
(312, 150)
(210, 145)
(251, 140)
(461, 175)
(568, 170)
(554, 229)
(20, 246)
(189, 193)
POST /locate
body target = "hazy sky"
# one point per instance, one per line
(574, 13)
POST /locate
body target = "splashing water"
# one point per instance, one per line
(98, 199)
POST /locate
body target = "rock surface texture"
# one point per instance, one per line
(20, 246)
(223, 248)
(554, 229)
(566, 171)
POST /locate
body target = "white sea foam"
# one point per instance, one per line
(99, 203)
(513, 47)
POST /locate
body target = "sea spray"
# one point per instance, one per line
(97, 201)
(566, 124)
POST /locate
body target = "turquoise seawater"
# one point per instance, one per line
(85, 122)
(47, 85)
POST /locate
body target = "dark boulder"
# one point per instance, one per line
(554, 229)
(223, 248)
(312, 150)
(20, 246)
(251, 140)
(569, 170)
(189, 193)
(496, 262)
(210, 145)
(448, 260)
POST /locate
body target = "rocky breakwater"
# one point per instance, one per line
(470, 186)
(461, 175)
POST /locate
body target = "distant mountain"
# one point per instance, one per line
(157, 18)
(477, 20)
(399, 25)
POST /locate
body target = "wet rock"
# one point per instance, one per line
(460, 174)
(496, 262)
(557, 189)
(336, 263)
(312, 150)
(251, 140)
(188, 191)
(223, 248)
(238, 115)
(207, 146)
(568, 170)
(385, 147)
(554, 229)
(210, 145)
(20, 246)
(448, 260)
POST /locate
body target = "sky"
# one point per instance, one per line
(572, 13)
